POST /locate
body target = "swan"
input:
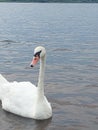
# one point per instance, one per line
(24, 98)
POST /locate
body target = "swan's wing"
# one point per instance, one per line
(2, 80)
(20, 98)
(2, 88)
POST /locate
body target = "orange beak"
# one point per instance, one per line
(34, 61)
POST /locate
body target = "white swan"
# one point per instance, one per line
(25, 99)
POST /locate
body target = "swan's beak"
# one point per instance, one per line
(34, 61)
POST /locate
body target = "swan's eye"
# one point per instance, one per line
(37, 54)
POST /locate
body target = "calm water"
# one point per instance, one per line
(70, 34)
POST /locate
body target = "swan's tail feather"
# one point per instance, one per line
(2, 80)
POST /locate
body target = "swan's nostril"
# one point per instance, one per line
(31, 65)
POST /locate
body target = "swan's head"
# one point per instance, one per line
(39, 52)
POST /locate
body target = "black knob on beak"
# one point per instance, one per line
(31, 65)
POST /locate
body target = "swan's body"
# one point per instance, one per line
(25, 99)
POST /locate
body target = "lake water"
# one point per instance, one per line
(70, 34)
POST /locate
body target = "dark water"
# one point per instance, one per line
(70, 34)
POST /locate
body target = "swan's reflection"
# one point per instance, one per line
(42, 125)
(14, 122)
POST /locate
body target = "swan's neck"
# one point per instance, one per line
(41, 77)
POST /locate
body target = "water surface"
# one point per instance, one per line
(70, 34)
